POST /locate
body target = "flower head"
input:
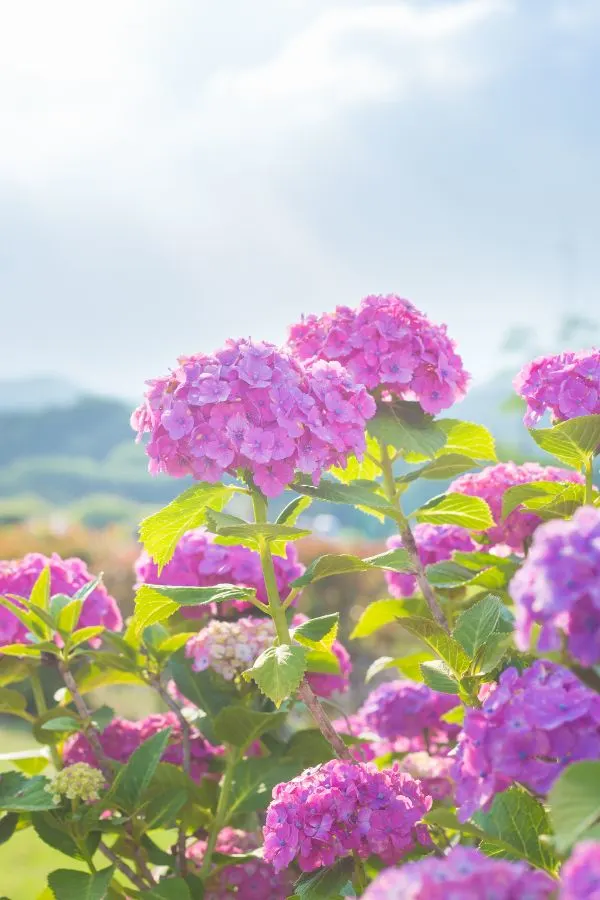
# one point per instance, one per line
(491, 483)
(230, 647)
(529, 728)
(435, 543)
(338, 808)
(387, 343)
(67, 576)
(407, 711)
(568, 385)
(79, 781)
(463, 873)
(254, 408)
(580, 875)
(433, 773)
(558, 587)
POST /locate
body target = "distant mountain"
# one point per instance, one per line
(37, 392)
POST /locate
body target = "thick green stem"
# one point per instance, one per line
(589, 482)
(40, 704)
(360, 876)
(408, 540)
(220, 819)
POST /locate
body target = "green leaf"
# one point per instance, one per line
(446, 466)
(40, 592)
(456, 509)
(206, 690)
(404, 426)
(54, 833)
(448, 575)
(20, 794)
(468, 438)
(241, 727)
(12, 670)
(438, 677)
(322, 661)
(444, 646)
(85, 634)
(61, 723)
(382, 612)
(162, 810)
(289, 514)
(67, 614)
(136, 775)
(358, 470)
(8, 826)
(160, 532)
(519, 494)
(250, 534)
(12, 701)
(31, 762)
(254, 779)
(278, 671)
(168, 889)
(67, 884)
(574, 802)
(573, 442)
(446, 818)
(475, 626)
(514, 825)
(367, 496)
(396, 560)
(309, 747)
(29, 619)
(156, 603)
(343, 563)
(325, 883)
(30, 650)
(409, 666)
(319, 633)
(45, 735)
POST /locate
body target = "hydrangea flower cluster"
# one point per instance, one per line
(252, 880)
(67, 576)
(568, 385)
(491, 483)
(79, 781)
(405, 709)
(387, 343)
(121, 737)
(253, 407)
(463, 873)
(558, 587)
(580, 875)
(435, 543)
(529, 728)
(199, 562)
(433, 772)
(332, 810)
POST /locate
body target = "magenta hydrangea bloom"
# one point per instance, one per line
(435, 543)
(252, 880)
(387, 343)
(558, 587)
(121, 737)
(404, 709)
(491, 483)
(529, 728)
(464, 874)
(580, 875)
(568, 385)
(67, 576)
(433, 772)
(338, 808)
(199, 562)
(253, 407)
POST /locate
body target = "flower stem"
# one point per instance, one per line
(589, 482)
(360, 876)
(220, 818)
(408, 540)
(42, 707)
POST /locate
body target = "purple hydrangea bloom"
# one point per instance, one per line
(199, 562)
(404, 709)
(253, 407)
(558, 587)
(580, 875)
(67, 576)
(435, 543)
(387, 343)
(529, 728)
(491, 483)
(464, 874)
(568, 385)
(338, 808)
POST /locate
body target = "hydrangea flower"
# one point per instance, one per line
(491, 483)
(199, 562)
(433, 772)
(332, 810)
(580, 875)
(255, 408)
(79, 781)
(67, 576)
(558, 587)
(529, 728)
(387, 343)
(252, 880)
(404, 709)
(464, 874)
(122, 737)
(435, 543)
(567, 385)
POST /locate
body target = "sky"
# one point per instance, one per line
(177, 172)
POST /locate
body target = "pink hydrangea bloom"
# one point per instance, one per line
(326, 684)
(529, 728)
(435, 543)
(230, 647)
(568, 385)
(252, 880)
(121, 737)
(67, 576)
(330, 811)
(255, 408)
(387, 343)
(580, 875)
(464, 874)
(558, 587)
(433, 772)
(491, 483)
(199, 562)
(404, 709)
